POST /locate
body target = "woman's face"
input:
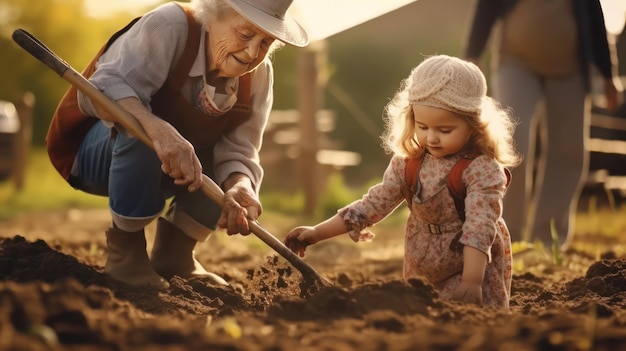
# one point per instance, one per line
(235, 46)
(440, 131)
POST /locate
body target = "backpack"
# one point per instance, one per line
(455, 180)
(61, 148)
(69, 125)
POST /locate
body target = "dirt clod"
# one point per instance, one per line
(53, 295)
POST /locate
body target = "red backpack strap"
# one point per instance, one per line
(455, 183)
(411, 169)
(456, 186)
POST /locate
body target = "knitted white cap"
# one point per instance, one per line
(449, 83)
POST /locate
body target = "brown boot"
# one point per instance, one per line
(128, 262)
(173, 254)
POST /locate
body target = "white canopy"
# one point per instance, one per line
(324, 18)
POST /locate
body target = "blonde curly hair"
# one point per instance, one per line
(460, 87)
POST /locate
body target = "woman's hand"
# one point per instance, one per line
(240, 205)
(469, 293)
(299, 238)
(177, 155)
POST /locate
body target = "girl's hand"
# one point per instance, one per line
(299, 238)
(469, 293)
(470, 290)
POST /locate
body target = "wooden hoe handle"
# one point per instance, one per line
(36, 48)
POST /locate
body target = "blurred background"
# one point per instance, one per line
(322, 144)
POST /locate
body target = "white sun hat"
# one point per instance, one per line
(271, 16)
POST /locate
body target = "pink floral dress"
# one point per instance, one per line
(435, 234)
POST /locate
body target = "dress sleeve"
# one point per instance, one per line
(485, 181)
(238, 151)
(380, 200)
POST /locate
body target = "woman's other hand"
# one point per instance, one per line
(240, 205)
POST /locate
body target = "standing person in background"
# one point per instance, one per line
(199, 80)
(440, 117)
(544, 52)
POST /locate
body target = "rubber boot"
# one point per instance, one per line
(128, 262)
(173, 254)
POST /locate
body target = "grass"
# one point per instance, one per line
(600, 232)
(598, 228)
(44, 189)
(556, 251)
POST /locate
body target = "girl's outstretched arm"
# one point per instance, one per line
(470, 289)
(300, 237)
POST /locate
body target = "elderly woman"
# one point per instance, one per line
(198, 79)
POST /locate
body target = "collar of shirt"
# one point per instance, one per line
(197, 69)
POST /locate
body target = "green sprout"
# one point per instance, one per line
(556, 252)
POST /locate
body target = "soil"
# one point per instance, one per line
(54, 296)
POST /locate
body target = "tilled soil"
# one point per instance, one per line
(54, 296)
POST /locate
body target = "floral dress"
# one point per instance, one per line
(435, 234)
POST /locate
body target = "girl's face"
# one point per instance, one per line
(441, 132)
(235, 47)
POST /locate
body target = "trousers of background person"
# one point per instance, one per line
(547, 184)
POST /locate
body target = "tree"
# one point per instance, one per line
(65, 28)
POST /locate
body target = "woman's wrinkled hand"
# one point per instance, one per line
(240, 205)
(178, 158)
(299, 238)
(177, 155)
(469, 293)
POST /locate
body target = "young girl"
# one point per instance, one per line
(440, 115)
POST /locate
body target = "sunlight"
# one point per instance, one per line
(104, 8)
(324, 18)
(321, 18)
(614, 15)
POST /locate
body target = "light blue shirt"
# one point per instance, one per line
(138, 63)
